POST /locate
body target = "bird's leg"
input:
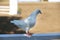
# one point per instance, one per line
(27, 30)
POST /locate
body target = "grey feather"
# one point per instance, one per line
(29, 21)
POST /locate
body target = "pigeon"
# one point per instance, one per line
(28, 22)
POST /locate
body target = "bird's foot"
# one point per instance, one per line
(28, 34)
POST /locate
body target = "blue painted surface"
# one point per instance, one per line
(47, 36)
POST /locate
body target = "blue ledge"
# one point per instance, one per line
(46, 36)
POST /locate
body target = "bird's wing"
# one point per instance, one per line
(19, 23)
(30, 21)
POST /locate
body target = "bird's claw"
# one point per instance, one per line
(28, 35)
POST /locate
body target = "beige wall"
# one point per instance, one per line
(45, 0)
(4, 3)
(4, 0)
(48, 21)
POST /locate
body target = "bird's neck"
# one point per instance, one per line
(34, 14)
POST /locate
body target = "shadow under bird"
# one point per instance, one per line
(28, 22)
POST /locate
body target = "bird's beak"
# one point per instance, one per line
(40, 12)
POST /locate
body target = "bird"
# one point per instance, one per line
(27, 23)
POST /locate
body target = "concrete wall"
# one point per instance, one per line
(4, 0)
(48, 21)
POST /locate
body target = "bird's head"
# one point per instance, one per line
(35, 13)
(39, 11)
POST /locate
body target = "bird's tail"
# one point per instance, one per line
(11, 21)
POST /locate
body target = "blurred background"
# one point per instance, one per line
(49, 21)
(32, 0)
